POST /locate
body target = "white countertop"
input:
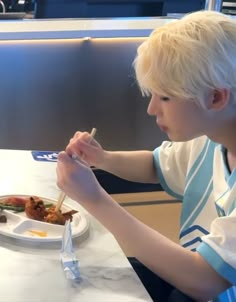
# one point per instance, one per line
(66, 28)
(31, 273)
(79, 28)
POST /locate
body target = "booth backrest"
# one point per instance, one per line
(51, 88)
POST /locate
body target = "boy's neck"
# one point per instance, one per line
(231, 160)
(231, 151)
(226, 136)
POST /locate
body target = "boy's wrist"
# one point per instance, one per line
(104, 163)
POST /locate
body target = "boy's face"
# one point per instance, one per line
(182, 120)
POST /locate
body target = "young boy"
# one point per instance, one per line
(189, 68)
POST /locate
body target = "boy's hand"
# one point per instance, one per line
(83, 146)
(76, 179)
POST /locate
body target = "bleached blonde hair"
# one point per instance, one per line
(187, 58)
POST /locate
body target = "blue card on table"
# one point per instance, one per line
(45, 155)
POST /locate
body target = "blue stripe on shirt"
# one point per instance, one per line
(192, 229)
(192, 210)
(199, 185)
(197, 162)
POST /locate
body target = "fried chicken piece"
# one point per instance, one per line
(69, 215)
(57, 217)
(54, 216)
(35, 208)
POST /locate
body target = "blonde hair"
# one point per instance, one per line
(187, 58)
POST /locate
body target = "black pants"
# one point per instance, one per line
(158, 289)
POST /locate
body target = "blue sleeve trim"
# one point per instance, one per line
(161, 176)
(214, 259)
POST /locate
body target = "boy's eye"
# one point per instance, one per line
(164, 98)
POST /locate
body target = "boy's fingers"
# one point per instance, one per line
(63, 157)
(68, 159)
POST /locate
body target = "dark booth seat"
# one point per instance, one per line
(115, 185)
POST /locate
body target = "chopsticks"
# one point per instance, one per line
(62, 195)
(60, 200)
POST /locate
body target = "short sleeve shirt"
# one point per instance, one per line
(196, 173)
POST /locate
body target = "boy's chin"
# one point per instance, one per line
(181, 138)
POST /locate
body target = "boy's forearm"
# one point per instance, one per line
(131, 165)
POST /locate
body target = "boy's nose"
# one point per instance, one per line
(154, 107)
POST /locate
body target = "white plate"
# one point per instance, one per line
(18, 225)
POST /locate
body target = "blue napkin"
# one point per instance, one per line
(50, 156)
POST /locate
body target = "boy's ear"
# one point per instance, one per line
(218, 99)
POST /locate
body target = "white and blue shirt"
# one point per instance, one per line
(196, 172)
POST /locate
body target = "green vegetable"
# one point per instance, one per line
(11, 208)
(19, 209)
(48, 205)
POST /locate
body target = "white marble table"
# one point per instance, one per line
(31, 273)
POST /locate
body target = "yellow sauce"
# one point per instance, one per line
(38, 233)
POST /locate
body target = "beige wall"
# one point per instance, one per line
(156, 209)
